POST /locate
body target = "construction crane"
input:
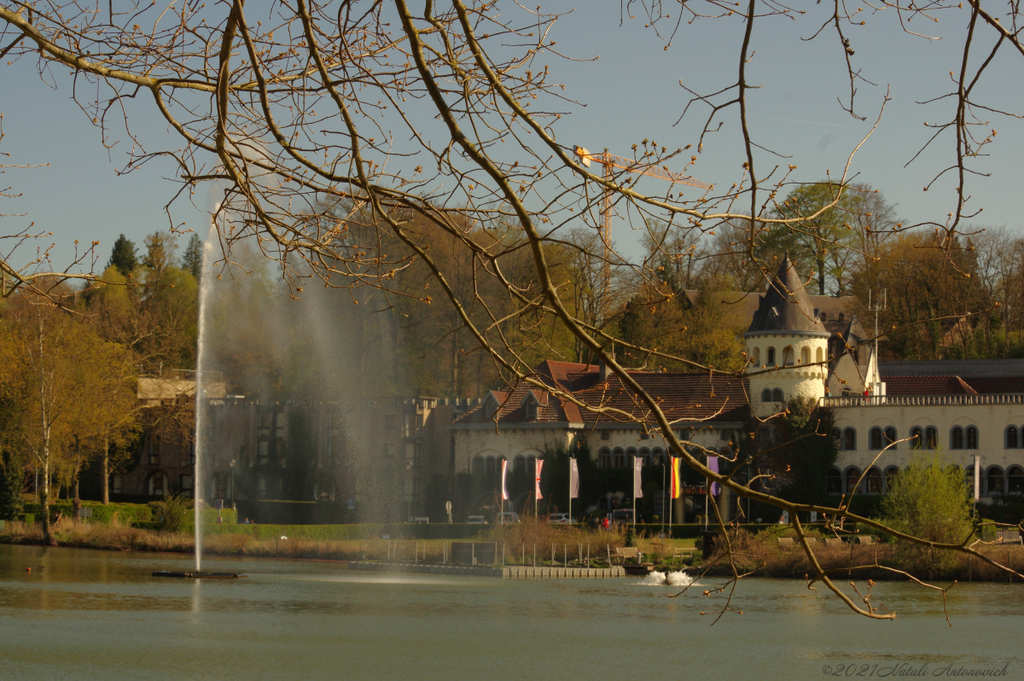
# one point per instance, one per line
(610, 162)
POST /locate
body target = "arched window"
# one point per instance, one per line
(956, 438)
(890, 474)
(757, 357)
(618, 458)
(994, 480)
(771, 356)
(834, 481)
(605, 458)
(658, 455)
(766, 395)
(478, 465)
(1015, 479)
(931, 437)
(787, 356)
(873, 480)
(850, 439)
(157, 484)
(972, 437)
(805, 355)
(875, 438)
(852, 475)
(916, 438)
(519, 466)
(491, 465)
(645, 454)
(777, 395)
(837, 438)
(890, 437)
(818, 355)
(1011, 437)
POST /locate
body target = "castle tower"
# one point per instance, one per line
(787, 337)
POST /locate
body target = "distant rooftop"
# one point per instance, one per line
(964, 368)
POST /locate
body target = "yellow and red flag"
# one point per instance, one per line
(677, 480)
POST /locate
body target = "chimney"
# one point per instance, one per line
(602, 367)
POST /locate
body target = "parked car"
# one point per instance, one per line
(559, 518)
(507, 518)
(476, 520)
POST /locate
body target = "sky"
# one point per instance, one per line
(626, 83)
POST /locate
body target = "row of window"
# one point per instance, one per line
(994, 480)
(788, 356)
(770, 395)
(619, 457)
(490, 465)
(960, 437)
(156, 485)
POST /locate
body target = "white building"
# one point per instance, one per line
(797, 346)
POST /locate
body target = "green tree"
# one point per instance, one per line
(802, 462)
(929, 500)
(192, 258)
(123, 256)
(932, 293)
(160, 250)
(827, 224)
(12, 482)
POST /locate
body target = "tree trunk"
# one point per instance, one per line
(44, 499)
(76, 502)
(105, 471)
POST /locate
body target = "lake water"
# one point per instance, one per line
(83, 614)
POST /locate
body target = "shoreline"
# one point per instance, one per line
(759, 556)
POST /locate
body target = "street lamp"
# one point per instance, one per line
(232, 488)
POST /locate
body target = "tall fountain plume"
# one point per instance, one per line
(202, 376)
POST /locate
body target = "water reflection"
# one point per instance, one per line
(319, 620)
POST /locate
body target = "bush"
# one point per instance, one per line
(929, 500)
(174, 513)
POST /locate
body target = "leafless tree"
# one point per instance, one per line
(451, 111)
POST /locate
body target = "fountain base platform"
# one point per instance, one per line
(198, 574)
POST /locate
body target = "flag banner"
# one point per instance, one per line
(574, 480)
(540, 464)
(977, 477)
(638, 463)
(713, 465)
(504, 480)
(677, 478)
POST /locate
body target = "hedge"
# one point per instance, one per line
(126, 513)
(137, 515)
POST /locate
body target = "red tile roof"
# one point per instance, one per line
(685, 398)
(927, 385)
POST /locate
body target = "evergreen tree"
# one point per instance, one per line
(123, 256)
(12, 479)
(802, 464)
(192, 259)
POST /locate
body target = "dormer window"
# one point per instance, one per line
(823, 316)
(532, 403)
(491, 405)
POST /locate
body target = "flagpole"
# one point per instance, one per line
(570, 490)
(634, 491)
(672, 496)
(663, 498)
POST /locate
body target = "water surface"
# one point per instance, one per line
(83, 614)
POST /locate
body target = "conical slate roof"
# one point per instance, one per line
(785, 307)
